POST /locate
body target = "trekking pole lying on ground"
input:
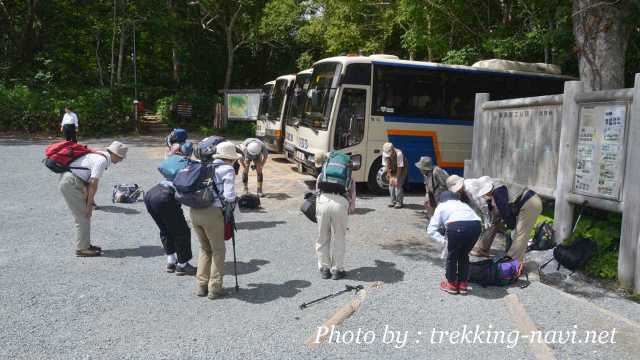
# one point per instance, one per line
(347, 289)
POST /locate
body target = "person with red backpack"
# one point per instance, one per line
(79, 185)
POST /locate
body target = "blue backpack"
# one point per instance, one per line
(170, 166)
(336, 173)
(195, 186)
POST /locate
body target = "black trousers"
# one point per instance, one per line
(69, 131)
(167, 213)
(461, 237)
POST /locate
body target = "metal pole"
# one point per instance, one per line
(135, 81)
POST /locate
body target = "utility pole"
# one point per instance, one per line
(135, 82)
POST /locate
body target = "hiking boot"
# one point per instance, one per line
(391, 204)
(87, 253)
(186, 270)
(260, 193)
(398, 205)
(448, 287)
(325, 273)
(463, 287)
(96, 248)
(216, 294)
(171, 268)
(340, 274)
(201, 291)
(480, 253)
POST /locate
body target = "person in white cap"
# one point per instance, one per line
(208, 223)
(394, 161)
(253, 151)
(435, 182)
(469, 191)
(332, 211)
(79, 187)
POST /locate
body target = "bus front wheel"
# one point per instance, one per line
(377, 182)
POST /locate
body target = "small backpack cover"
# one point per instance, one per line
(499, 271)
(195, 185)
(61, 154)
(126, 193)
(177, 136)
(543, 238)
(336, 173)
(207, 147)
(249, 202)
(308, 206)
(575, 255)
(170, 166)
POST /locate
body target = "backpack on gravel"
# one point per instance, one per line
(499, 271)
(575, 255)
(61, 154)
(195, 186)
(249, 202)
(126, 193)
(170, 166)
(543, 238)
(336, 173)
(308, 206)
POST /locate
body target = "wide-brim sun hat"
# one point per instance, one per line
(320, 158)
(226, 150)
(425, 163)
(485, 185)
(119, 149)
(455, 183)
(387, 149)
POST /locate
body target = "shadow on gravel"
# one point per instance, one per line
(245, 267)
(383, 271)
(417, 250)
(419, 207)
(277, 196)
(117, 210)
(362, 211)
(265, 292)
(145, 251)
(256, 225)
(281, 160)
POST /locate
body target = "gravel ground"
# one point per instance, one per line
(123, 305)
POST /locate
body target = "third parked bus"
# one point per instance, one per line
(294, 112)
(355, 104)
(273, 135)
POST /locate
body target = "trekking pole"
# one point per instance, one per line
(347, 289)
(233, 243)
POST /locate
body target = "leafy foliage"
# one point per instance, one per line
(605, 231)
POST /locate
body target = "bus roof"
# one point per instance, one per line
(270, 83)
(306, 71)
(424, 64)
(290, 78)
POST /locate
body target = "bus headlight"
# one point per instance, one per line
(356, 162)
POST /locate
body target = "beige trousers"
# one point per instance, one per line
(208, 224)
(332, 211)
(74, 191)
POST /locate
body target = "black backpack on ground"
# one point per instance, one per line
(575, 255)
(249, 202)
(543, 238)
(308, 207)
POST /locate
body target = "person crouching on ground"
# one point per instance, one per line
(79, 187)
(394, 161)
(462, 228)
(208, 223)
(167, 213)
(332, 211)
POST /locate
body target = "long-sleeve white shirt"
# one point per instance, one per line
(448, 212)
(70, 118)
(224, 179)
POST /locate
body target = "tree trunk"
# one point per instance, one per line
(123, 40)
(98, 63)
(230, 55)
(174, 44)
(113, 47)
(601, 36)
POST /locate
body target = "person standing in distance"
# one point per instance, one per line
(69, 125)
(79, 187)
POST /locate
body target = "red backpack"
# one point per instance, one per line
(61, 154)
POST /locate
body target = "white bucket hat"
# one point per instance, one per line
(320, 158)
(119, 149)
(226, 150)
(387, 149)
(485, 185)
(455, 183)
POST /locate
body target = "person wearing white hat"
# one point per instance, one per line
(518, 207)
(468, 190)
(435, 182)
(208, 223)
(256, 152)
(79, 187)
(394, 161)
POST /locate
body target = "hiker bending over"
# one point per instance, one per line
(518, 207)
(79, 187)
(336, 200)
(253, 152)
(167, 213)
(462, 227)
(394, 161)
(435, 182)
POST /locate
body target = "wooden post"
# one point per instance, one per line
(480, 131)
(563, 214)
(628, 261)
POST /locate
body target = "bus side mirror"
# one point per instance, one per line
(356, 162)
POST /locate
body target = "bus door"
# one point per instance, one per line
(350, 130)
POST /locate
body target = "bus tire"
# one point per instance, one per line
(375, 184)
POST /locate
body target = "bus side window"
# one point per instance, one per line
(349, 129)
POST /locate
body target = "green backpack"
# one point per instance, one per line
(336, 173)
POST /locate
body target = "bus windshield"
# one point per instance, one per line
(299, 96)
(279, 91)
(264, 100)
(321, 94)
